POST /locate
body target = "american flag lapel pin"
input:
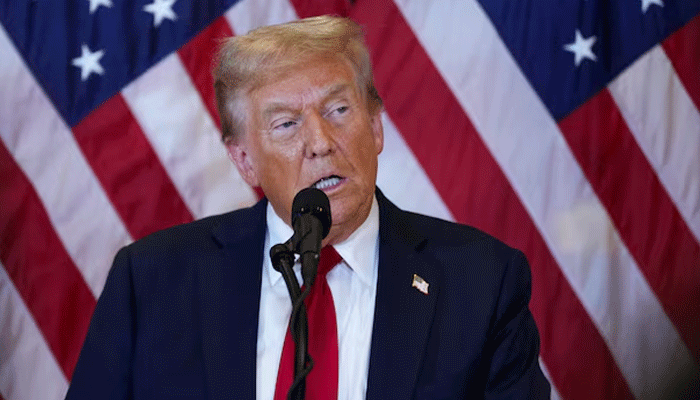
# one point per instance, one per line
(420, 284)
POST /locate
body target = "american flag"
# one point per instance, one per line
(570, 129)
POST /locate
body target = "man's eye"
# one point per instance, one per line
(339, 110)
(286, 124)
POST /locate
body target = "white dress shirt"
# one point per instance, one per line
(353, 283)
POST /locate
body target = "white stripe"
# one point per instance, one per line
(182, 133)
(527, 144)
(28, 369)
(247, 15)
(664, 121)
(403, 180)
(44, 147)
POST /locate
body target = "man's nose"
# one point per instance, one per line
(318, 136)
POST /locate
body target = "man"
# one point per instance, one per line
(425, 309)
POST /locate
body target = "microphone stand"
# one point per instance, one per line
(283, 261)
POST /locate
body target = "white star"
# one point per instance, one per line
(89, 62)
(647, 3)
(95, 4)
(161, 9)
(581, 48)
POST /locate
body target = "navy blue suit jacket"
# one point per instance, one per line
(178, 317)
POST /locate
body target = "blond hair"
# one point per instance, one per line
(245, 62)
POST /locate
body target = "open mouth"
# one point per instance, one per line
(327, 182)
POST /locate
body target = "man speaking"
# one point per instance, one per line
(403, 306)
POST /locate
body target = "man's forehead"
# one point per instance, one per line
(283, 69)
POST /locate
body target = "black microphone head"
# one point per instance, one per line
(313, 201)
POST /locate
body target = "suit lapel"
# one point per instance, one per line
(230, 293)
(403, 314)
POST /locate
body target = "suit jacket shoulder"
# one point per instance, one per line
(171, 322)
(202, 234)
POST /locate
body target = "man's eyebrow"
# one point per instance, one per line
(331, 91)
(274, 108)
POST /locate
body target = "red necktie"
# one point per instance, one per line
(322, 381)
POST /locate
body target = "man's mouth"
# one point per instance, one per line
(327, 182)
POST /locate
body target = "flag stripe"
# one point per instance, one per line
(197, 56)
(40, 268)
(199, 52)
(395, 62)
(46, 151)
(526, 142)
(247, 15)
(414, 108)
(571, 346)
(649, 96)
(173, 118)
(642, 211)
(683, 48)
(310, 8)
(25, 355)
(411, 189)
(129, 170)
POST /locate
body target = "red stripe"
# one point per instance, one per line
(40, 268)
(476, 191)
(310, 8)
(197, 56)
(648, 222)
(129, 170)
(683, 49)
(199, 52)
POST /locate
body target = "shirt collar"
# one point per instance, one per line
(359, 251)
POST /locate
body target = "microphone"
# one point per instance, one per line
(312, 202)
(311, 220)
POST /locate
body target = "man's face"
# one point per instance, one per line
(309, 126)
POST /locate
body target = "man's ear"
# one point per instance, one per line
(377, 130)
(238, 153)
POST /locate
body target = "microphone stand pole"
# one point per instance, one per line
(283, 261)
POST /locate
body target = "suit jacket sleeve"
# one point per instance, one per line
(515, 371)
(104, 367)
